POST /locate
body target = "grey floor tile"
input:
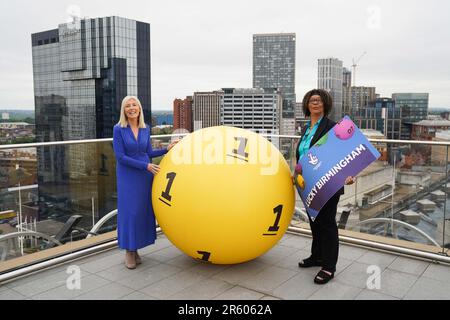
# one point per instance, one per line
(112, 291)
(209, 269)
(203, 290)
(166, 272)
(268, 279)
(276, 254)
(355, 275)
(380, 259)
(10, 294)
(351, 252)
(170, 251)
(439, 272)
(300, 287)
(87, 284)
(43, 284)
(396, 284)
(269, 298)
(239, 293)
(120, 271)
(429, 289)
(35, 276)
(298, 242)
(102, 263)
(136, 295)
(148, 276)
(97, 256)
(342, 264)
(291, 262)
(236, 274)
(166, 254)
(160, 243)
(173, 284)
(286, 237)
(373, 295)
(408, 265)
(334, 290)
(183, 261)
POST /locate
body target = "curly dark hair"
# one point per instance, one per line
(326, 99)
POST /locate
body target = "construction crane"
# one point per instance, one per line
(354, 65)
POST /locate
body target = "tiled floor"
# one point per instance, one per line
(167, 273)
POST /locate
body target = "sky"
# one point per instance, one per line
(204, 45)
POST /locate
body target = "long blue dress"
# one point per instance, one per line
(136, 226)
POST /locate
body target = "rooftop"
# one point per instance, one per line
(433, 123)
(443, 135)
(373, 235)
(371, 133)
(167, 273)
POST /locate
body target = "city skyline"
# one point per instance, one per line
(403, 40)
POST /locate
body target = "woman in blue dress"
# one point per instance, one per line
(136, 226)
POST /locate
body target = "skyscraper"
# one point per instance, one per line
(414, 109)
(330, 78)
(206, 109)
(253, 109)
(300, 119)
(380, 114)
(346, 77)
(182, 114)
(362, 96)
(81, 72)
(274, 67)
(346, 91)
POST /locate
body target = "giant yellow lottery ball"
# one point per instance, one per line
(223, 195)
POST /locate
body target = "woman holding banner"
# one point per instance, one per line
(317, 105)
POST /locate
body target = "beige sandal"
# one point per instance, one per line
(130, 260)
(137, 257)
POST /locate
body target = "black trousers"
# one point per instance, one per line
(325, 244)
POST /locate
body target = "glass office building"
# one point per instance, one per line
(82, 70)
(274, 67)
(414, 109)
(381, 114)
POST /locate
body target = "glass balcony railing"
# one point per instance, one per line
(60, 194)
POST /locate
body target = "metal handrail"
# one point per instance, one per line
(71, 142)
(398, 222)
(302, 213)
(101, 222)
(390, 248)
(29, 233)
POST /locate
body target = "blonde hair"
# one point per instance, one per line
(123, 121)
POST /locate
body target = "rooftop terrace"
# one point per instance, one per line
(167, 273)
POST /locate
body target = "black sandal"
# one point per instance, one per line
(323, 277)
(309, 262)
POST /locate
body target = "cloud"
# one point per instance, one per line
(207, 45)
